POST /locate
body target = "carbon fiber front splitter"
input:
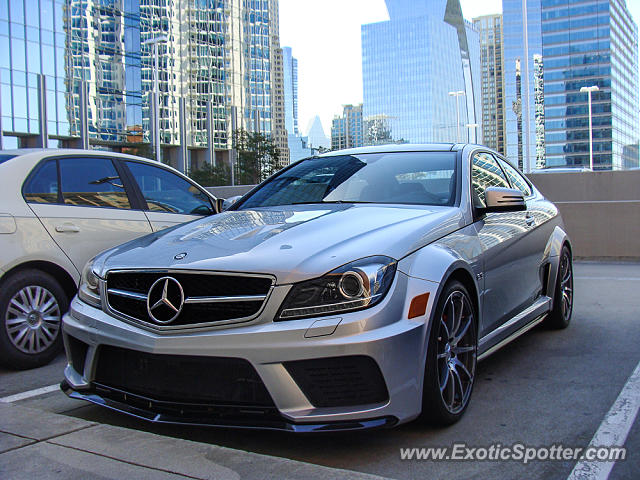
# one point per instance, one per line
(270, 421)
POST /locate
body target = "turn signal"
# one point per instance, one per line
(418, 305)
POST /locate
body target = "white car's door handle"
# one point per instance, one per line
(67, 227)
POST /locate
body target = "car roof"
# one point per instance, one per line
(398, 147)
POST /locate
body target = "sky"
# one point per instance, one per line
(325, 38)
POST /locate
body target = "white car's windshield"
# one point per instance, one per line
(423, 178)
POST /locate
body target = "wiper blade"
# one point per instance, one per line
(329, 201)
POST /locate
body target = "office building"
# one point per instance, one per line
(218, 61)
(347, 131)
(290, 66)
(411, 62)
(492, 66)
(571, 44)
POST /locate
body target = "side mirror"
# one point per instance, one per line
(230, 201)
(500, 199)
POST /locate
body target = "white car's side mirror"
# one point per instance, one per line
(230, 201)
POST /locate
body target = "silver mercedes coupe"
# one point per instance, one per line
(352, 290)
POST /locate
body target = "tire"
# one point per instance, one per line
(560, 315)
(32, 303)
(450, 367)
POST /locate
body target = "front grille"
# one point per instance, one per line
(209, 298)
(339, 381)
(201, 382)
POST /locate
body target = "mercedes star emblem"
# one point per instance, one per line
(165, 300)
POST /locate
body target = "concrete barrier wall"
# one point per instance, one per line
(229, 191)
(601, 211)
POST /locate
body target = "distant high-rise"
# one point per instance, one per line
(492, 65)
(347, 131)
(572, 44)
(316, 135)
(411, 63)
(290, 66)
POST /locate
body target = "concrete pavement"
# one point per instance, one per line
(44, 445)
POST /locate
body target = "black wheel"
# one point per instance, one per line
(451, 357)
(31, 307)
(560, 315)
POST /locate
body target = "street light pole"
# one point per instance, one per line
(475, 131)
(457, 94)
(588, 90)
(156, 91)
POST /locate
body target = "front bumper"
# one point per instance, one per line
(382, 333)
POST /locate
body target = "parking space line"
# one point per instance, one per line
(31, 393)
(632, 279)
(613, 430)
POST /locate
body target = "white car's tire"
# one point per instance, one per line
(32, 303)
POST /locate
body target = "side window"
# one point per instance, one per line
(92, 182)
(485, 173)
(42, 187)
(169, 193)
(516, 179)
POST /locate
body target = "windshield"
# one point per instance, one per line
(423, 178)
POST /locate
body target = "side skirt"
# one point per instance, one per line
(526, 320)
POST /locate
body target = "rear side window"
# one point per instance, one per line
(516, 179)
(92, 182)
(42, 187)
(167, 192)
(485, 173)
(6, 156)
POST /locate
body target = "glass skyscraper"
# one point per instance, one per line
(32, 42)
(492, 64)
(290, 66)
(218, 52)
(520, 93)
(573, 44)
(411, 63)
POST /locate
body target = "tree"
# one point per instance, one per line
(257, 157)
(210, 176)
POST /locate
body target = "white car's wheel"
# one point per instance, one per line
(31, 307)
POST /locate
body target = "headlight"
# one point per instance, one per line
(353, 286)
(89, 291)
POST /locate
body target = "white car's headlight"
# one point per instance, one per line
(89, 290)
(354, 286)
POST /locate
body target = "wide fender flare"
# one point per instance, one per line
(436, 263)
(552, 250)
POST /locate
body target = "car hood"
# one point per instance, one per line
(293, 243)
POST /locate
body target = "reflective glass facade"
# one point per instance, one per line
(32, 41)
(582, 43)
(217, 51)
(521, 115)
(290, 65)
(491, 61)
(411, 63)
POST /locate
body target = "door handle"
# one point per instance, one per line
(67, 228)
(529, 219)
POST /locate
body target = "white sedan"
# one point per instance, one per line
(58, 209)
